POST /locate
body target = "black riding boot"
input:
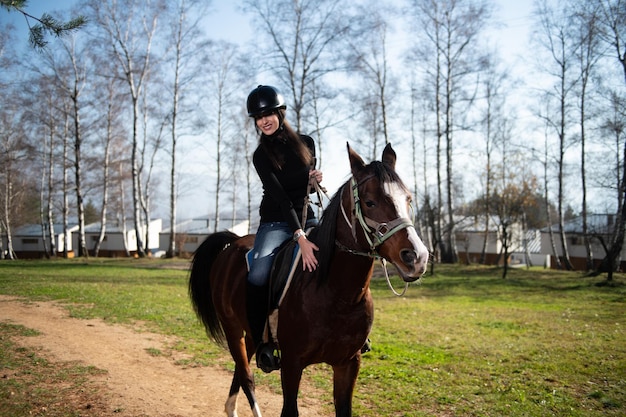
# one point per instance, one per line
(256, 304)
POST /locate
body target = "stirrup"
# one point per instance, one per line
(266, 360)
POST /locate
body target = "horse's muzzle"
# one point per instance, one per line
(414, 264)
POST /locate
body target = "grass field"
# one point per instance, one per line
(464, 343)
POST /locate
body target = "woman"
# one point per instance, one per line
(284, 161)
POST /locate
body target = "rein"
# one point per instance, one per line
(319, 190)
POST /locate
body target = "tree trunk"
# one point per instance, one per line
(50, 187)
(82, 245)
(67, 238)
(8, 193)
(42, 217)
(555, 253)
(105, 172)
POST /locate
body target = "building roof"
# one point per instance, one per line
(202, 225)
(596, 223)
(476, 224)
(34, 230)
(113, 226)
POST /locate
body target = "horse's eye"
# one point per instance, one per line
(370, 203)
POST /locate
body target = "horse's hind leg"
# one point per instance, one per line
(242, 379)
(231, 403)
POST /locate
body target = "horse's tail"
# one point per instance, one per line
(200, 285)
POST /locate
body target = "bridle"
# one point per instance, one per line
(375, 232)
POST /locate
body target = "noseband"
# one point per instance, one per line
(375, 232)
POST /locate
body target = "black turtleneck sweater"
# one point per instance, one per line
(283, 189)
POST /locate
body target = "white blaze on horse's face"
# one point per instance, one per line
(416, 260)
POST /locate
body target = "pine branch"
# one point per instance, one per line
(46, 24)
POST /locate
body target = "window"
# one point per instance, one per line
(30, 241)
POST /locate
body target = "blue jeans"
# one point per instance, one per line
(269, 237)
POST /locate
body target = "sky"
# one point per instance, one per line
(226, 22)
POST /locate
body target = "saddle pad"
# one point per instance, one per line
(282, 265)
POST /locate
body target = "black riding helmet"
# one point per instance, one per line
(264, 99)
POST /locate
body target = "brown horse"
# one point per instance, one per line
(325, 315)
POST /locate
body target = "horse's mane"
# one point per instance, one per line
(324, 234)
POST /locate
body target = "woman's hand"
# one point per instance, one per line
(307, 248)
(315, 174)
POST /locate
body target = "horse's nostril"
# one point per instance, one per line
(408, 256)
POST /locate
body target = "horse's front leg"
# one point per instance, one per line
(290, 375)
(344, 381)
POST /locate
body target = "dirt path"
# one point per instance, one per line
(139, 384)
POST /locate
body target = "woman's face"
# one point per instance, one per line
(267, 123)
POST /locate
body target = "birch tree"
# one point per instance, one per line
(612, 23)
(375, 89)
(492, 125)
(587, 54)
(553, 37)
(449, 34)
(187, 42)
(129, 31)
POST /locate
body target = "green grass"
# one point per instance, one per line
(464, 343)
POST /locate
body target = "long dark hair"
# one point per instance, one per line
(287, 135)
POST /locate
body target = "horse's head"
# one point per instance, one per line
(381, 206)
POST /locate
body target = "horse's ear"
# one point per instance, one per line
(356, 162)
(389, 156)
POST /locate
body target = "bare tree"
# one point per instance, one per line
(493, 126)
(129, 33)
(105, 172)
(224, 96)
(419, 152)
(40, 115)
(187, 40)
(554, 38)
(51, 127)
(613, 33)
(65, 213)
(110, 138)
(371, 64)
(587, 52)
(305, 38)
(613, 125)
(449, 31)
(612, 26)
(73, 86)
(510, 203)
(13, 150)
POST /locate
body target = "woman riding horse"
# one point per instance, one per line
(327, 313)
(284, 161)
